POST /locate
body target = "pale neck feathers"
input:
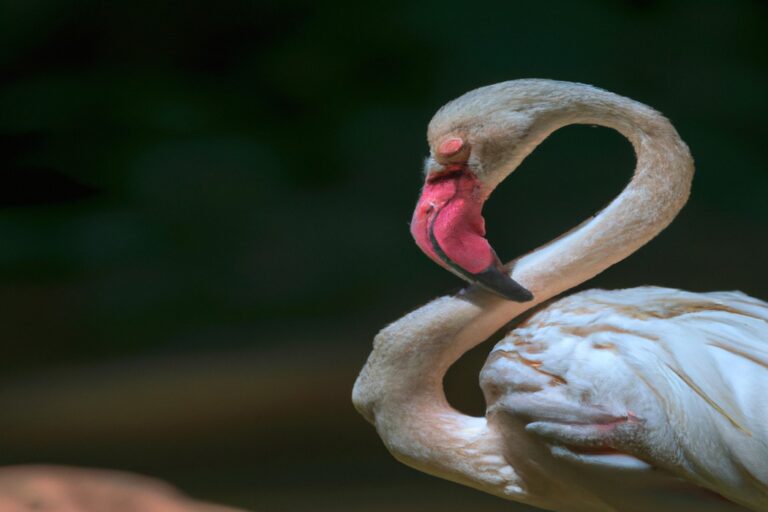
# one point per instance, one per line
(400, 388)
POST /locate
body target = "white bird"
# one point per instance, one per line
(629, 400)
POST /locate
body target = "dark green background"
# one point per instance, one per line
(205, 206)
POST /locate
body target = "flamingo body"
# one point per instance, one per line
(614, 385)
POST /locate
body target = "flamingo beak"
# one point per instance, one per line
(449, 227)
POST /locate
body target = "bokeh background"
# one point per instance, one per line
(204, 207)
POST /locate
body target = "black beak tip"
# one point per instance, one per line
(498, 282)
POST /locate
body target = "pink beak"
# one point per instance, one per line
(449, 227)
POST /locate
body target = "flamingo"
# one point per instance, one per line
(628, 400)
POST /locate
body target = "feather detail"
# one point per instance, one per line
(692, 366)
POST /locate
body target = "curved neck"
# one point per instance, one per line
(400, 388)
(657, 191)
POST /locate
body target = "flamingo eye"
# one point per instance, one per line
(450, 147)
(452, 150)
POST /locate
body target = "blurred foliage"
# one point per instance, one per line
(201, 176)
(208, 174)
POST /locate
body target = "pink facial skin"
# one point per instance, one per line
(448, 223)
(448, 219)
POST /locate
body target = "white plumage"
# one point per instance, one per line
(646, 399)
(642, 378)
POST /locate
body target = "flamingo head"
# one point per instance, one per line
(473, 145)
